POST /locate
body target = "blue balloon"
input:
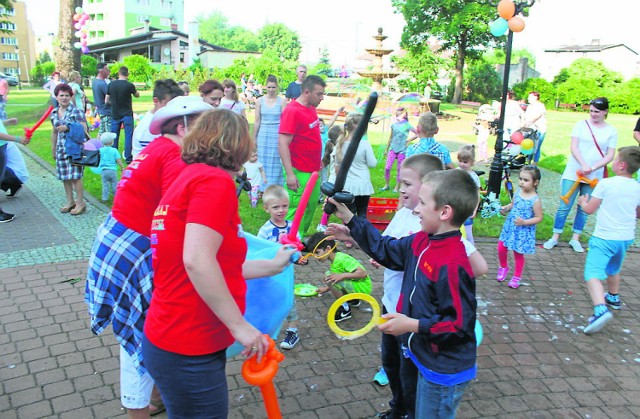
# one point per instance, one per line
(527, 152)
(498, 27)
(269, 299)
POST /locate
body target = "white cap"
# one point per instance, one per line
(178, 106)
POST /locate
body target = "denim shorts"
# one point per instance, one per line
(605, 257)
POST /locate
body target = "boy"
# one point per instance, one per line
(427, 129)
(275, 201)
(617, 200)
(109, 162)
(437, 298)
(346, 275)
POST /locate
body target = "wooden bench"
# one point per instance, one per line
(568, 106)
(140, 85)
(330, 112)
(468, 106)
(586, 107)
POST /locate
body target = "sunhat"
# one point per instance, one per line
(105, 136)
(179, 106)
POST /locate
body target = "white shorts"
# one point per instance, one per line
(135, 389)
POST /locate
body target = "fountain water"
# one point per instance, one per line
(377, 74)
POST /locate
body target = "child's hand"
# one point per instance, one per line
(338, 231)
(333, 279)
(11, 121)
(519, 221)
(342, 212)
(583, 200)
(375, 264)
(397, 324)
(283, 256)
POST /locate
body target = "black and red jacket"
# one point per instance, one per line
(438, 289)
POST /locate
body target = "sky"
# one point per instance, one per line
(346, 27)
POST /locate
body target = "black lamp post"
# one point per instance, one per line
(495, 172)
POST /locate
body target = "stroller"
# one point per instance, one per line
(514, 150)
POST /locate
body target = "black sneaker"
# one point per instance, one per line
(290, 340)
(342, 314)
(5, 217)
(14, 192)
(613, 301)
(354, 303)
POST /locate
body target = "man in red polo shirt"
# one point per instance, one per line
(300, 147)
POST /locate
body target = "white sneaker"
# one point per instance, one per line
(550, 244)
(576, 246)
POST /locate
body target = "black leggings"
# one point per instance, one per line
(360, 205)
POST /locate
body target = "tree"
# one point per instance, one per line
(422, 67)
(461, 27)
(547, 90)
(277, 37)
(67, 58)
(140, 69)
(323, 68)
(483, 82)
(585, 79)
(88, 66)
(215, 29)
(499, 56)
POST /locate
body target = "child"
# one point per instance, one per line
(276, 202)
(427, 129)
(519, 229)
(329, 167)
(255, 172)
(346, 275)
(396, 146)
(466, 160)
(437, 299)
(617, 200)
(109, 162)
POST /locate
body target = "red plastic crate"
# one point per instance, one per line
(381, 211)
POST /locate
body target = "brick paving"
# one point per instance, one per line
(534, 362)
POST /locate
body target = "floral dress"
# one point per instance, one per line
(64, 169)
(521, 239)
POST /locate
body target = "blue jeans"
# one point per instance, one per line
(127, 121)
(563, 209)
(438, 401)
(538, 145)
(392, 359)
(109, 183)
(191, 386)
(3, 163)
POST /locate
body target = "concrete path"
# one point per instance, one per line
(534, 362)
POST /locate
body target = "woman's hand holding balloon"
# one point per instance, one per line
(253, 341)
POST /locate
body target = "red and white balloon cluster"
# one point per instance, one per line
(507, 19)
(81, 18)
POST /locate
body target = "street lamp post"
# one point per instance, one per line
(18, 66)
(495, 171)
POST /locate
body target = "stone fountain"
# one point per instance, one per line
(377, 74)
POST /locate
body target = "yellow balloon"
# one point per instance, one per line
(348, 335)
(506, 9)
(527, 144)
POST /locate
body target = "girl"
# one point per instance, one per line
(396, 146)
(256, 175)
(519, 230)
(231, 100)
(466, 160)
(329, 164)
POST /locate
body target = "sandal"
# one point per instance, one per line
(67, 208)
(158, 405)
(79, 209)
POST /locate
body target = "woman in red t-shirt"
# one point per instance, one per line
(199, 252)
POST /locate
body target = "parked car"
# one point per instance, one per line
(12, 80)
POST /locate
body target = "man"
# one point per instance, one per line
(300, 146)
(294, 89)
(99, 88)
(118, 96)
(163, 92)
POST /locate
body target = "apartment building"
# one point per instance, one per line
(17, 42)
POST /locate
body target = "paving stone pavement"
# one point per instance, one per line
(534, 362)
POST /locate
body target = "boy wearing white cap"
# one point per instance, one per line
(108, 167)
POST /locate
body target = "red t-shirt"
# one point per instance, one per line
(179, 320)
(143, 183)
(306, 146)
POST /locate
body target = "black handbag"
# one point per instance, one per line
(87, 158)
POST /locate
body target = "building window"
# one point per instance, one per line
(8, 26)
(11, 71)
(100, 34)
(165, 21)
(8, 41)
(166, 4)
(100, 16)
(182, 57)
(4, 11)
(10, 56)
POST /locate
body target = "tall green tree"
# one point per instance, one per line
(215, 29)
(323, 68)
(422, 66)
(498, 56)
(460, 25)
(279, 38)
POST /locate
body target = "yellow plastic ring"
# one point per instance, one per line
(348, 335)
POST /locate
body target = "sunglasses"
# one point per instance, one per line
(599, 103)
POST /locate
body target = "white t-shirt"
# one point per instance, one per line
(236, 107)
(403, 224)
(253, 172)
(141, 135)
(607, 137)
(616, 219)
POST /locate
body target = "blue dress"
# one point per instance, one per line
(521, 239)
(268, 153)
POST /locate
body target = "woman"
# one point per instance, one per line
(51, 85)
(200, 270)
(120, 274)
(535, 117)
(78, 94)
(211, 92)
(512, 114)
(62, 117)
(231, 100)
(265, 132)
(593, 145)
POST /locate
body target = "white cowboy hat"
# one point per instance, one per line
(179, 106)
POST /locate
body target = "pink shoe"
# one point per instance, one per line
(514, 283)
(502, 274)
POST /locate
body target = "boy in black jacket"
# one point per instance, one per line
(438, 302)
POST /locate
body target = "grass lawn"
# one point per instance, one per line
(29, 104)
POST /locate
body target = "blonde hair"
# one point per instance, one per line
(350, 125)
(219, 138)
(428, 123)
(73, 75)
(231, 83)
(467, 153)
(423, 164)
(274, 192)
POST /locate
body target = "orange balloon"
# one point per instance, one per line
(516, 24)
(506, 9)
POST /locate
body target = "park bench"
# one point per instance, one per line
(586, 107)
(140, 85)
(568, 106)
(329, 113)
(468, 106)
